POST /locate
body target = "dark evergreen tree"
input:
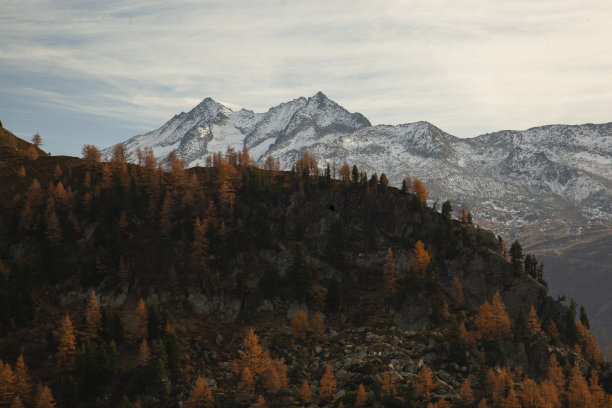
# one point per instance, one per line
(300, 273)
(447, 209)
(355, 174)
(584, 318)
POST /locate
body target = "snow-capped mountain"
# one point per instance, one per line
(546, 177)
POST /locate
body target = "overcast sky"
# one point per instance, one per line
(99, 72)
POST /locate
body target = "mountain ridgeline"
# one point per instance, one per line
(548, 186)
(229, 285)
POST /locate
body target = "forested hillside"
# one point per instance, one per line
(157, 286)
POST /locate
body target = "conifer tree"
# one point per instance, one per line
(425, 383)
(260, 403)
(200, 396)
(327, 389)
(22, 379)
(53, 231)
(305, 394)
(555, 374)
(389, 274)
(7, 385)
(419, 189)
(529, 393)
(144, 353)
(466, 395)
(533, 323)
(456, 292)
(141, 321)
(17, 403)
(91, 155)
(254, 356)
(420, 261)
(345, 173)
(482, 404)
(388, 383)
(316, 325)
(578, 393)
(362, 397)
(246, 386)
(67, 343)
(44, 398)
(21, 172)
(299, 325)
(93, 314)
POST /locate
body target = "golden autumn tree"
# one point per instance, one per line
(44, 398)
(482, 404)
(578, 393)
(425, 383)
(260, 403)
(388, 385)
(389, 275)
(7, 384)
(466, 395)
(510, 400)
(503, 328)
(299, 325)
(200, 396)
(362, 397)
(555, 374)
(254, 356)
(22, 379)
(141, 320)
(327, 389)
(419, 189)
(67, 343)
(17, 403)
(271, 378)
(345, 173)
(533, 322)
(316, 325)
(93, 315)
(548, 396)
(529, 393)
(245, 391)
(456, 292)
(144, 353)
(420, 261)
(305, 393)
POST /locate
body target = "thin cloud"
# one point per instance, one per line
(469, 66)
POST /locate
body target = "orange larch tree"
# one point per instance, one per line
(316, 325)
(22, 379)
(67, 343)
(503, 328)
(533, 322)
(419, 189)
(44, 398)
(93, 315)
(425, 383)
(420, 261)
(456, 292)
(7, 384)
(362, 397)
(254, 356)
(466, 395)
(260, 403)
(141, 321)
(299, 325)
(388, 385)
(529, 393)
(200, 396)
(245, 391)
(578, 393)
(327, 390)
(555, 374)
(305, 394)
(144, 353)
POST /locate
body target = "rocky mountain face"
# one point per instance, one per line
(548, 186)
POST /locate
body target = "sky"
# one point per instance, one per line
(99, 72)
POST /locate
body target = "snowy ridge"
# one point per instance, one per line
(547, 176)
